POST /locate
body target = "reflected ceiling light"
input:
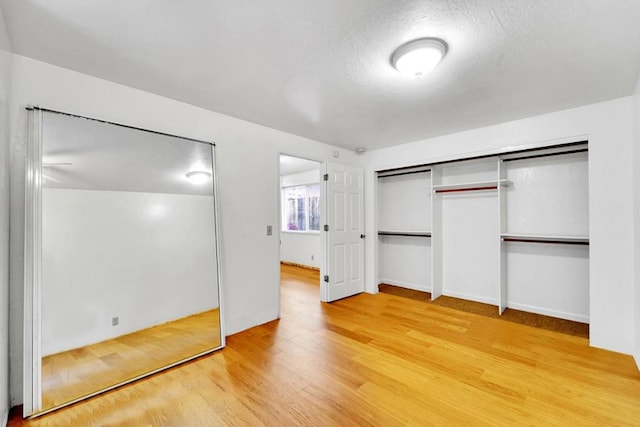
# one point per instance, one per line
(418, 57)
(198, 177)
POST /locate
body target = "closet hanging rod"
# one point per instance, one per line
(404, 233)
(458, 190)
(489, 155)
(553, 242)
(404, 173)
(535, 156)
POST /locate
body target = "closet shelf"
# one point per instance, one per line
(469, 186)
(405, 233)
(538, 238)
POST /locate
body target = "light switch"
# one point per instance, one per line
(269, 230)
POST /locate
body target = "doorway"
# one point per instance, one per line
(299, 214)
(322, 223)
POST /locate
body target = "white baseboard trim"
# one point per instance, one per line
(469, 297)
(401, 284)
(549, 312)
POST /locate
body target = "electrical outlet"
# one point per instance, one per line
(115, 321)
(313, 257)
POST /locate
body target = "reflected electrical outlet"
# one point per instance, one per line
(115, 321)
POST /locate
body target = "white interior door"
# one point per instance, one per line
(342, 270)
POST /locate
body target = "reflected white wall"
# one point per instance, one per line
(146, 258)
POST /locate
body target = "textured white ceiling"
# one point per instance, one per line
(321, 69)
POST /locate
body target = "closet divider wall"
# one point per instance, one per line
(509, 230)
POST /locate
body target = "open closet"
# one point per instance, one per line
(509, 229)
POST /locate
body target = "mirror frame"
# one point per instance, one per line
(32, 338)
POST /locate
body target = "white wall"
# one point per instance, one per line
(405, 261)
(470, 256)
(469, 226)
(5, 87)
(404, 204)
(608, 127)
(548, 196)
(300, 248)
(636, 223)
(247, 157)
(147, 258)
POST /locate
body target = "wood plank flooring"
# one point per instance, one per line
(377, 360)
(75, 373)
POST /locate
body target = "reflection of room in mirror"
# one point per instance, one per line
(129, 264)
(102, 251)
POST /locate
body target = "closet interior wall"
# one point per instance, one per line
(466, 200)
(509, 230)
(404, 218)
(545, 231)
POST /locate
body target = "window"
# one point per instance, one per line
(301, 208)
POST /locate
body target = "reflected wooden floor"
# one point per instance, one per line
(377, 360)
(81, 371)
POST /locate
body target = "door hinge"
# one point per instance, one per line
(326, 227)
(325, 177)
(326, 279)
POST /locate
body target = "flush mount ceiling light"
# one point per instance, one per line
(198, 177)
(418, 57)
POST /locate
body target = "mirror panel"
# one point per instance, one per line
(129, 271)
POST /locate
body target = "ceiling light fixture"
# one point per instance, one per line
(418, 57)
(198, 177)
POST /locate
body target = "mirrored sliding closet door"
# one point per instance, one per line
(121, 256)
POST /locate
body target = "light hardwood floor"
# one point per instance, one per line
(378, 360)
(75, 373)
